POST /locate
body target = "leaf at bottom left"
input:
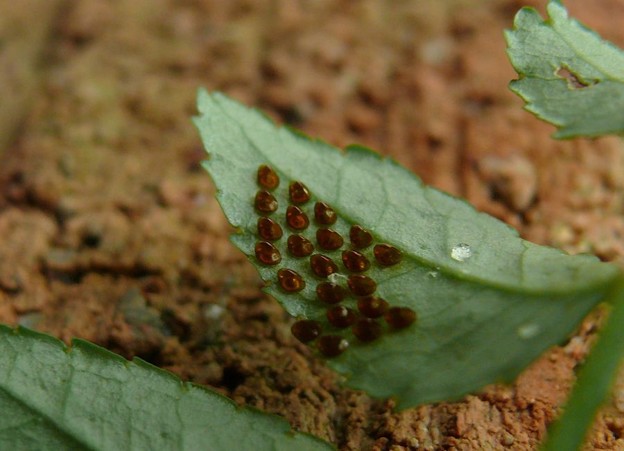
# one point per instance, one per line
(85, 397)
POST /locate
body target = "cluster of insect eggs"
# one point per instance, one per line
(365, 321)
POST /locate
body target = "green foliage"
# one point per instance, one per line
(572, 78)
(595, 379)
(84, 397)
(480, 320)
(569, 76)
(482, 316)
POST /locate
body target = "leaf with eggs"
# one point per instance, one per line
(438, 299)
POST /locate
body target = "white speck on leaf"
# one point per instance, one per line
(527, 331)
(461, 252)
(336, 278)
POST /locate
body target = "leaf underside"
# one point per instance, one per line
(84, 397)
(569, 76)
(480, 320)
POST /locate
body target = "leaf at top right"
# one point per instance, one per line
(569, 76)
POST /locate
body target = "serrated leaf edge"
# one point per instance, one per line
(103, 353)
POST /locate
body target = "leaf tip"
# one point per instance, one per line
(525, 17)
(556, 10)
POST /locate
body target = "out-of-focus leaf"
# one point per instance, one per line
(85, 397)
(569, 76)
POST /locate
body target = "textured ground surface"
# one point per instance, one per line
(110, 231)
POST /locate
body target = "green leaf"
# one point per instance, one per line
(480, 320)
(84, 397)
(569, 76)
(595, 380)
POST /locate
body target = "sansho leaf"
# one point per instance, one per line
(85, 397)
(569, 76)
(480, 320)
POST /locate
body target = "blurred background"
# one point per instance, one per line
(109, 230)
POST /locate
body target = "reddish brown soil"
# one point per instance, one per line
(110, 231)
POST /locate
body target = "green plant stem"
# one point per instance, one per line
(595, 379)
